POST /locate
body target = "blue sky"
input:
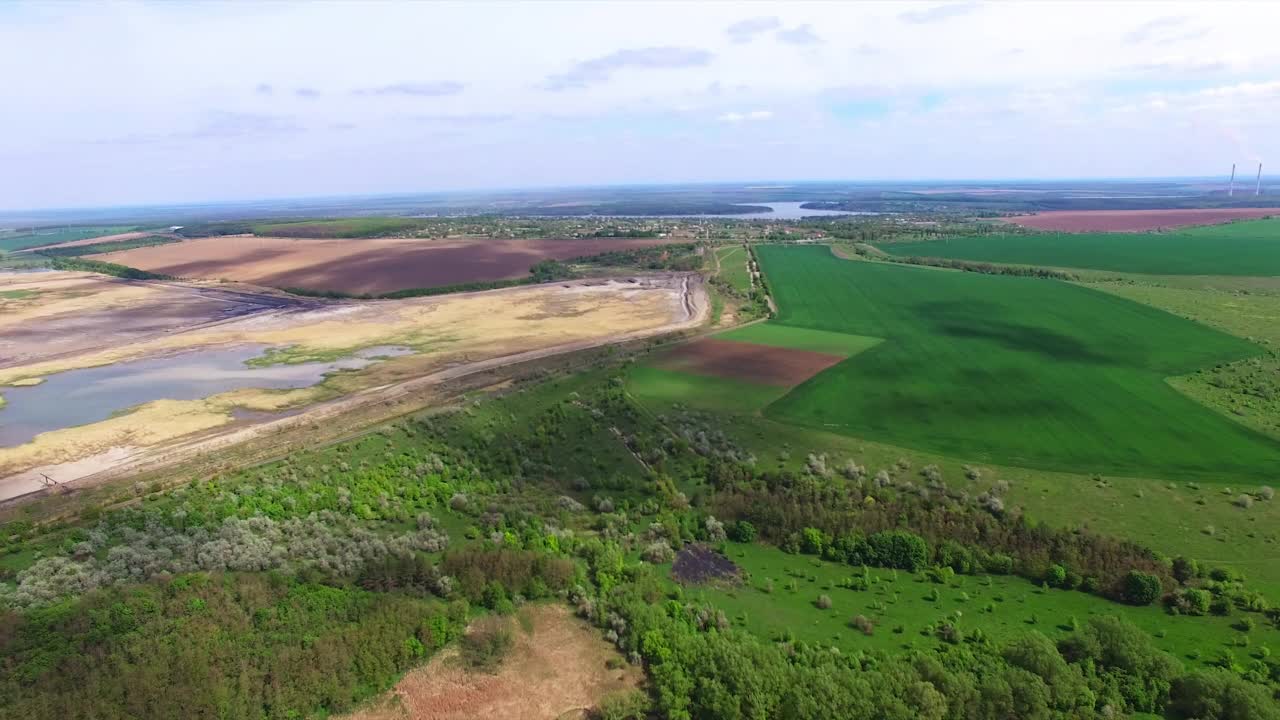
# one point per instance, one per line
(147, 102)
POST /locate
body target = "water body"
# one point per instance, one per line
(79, 397)
(777, 211)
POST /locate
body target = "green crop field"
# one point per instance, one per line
(23, 240)
(1241, 248)
(1015, 371)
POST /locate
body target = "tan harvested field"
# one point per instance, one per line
(1134, 220)
(763, 364)
(557, 669)
(361, 266)
(450, 337)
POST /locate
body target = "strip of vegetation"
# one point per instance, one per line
(676, 258)
(106, 268)
(984, 268)
(358, 227)
(107, 247)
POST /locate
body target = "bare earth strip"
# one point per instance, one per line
(1134, 220)
(558, 670)
(360, 266)
(763, 364)
(455, 336)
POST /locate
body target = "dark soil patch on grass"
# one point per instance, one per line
(763, 364)
(699, 565)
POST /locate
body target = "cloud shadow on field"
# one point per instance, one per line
(980, 321)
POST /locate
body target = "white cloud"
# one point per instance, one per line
(737, 117)
(350, 101)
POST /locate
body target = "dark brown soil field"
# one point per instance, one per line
(698, 564)
(761, 364)
(358, 266)
(1134, 220)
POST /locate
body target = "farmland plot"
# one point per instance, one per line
(1243, 248)
(1015, 371)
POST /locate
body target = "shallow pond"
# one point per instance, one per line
(79, 397)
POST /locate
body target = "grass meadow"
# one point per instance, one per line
(733, 267)
(1012, 371)
(779, 599)
(1249, 248)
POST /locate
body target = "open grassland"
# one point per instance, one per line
(1243, 248)
(1135, 220)
(10, 242)
(373, 266)
(905, 609)
(733, 267)
(1010, 370)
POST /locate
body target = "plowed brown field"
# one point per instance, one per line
(762, 364)
(373, 266)
(1134, 220)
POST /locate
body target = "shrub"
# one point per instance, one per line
(485, 644)
(899, 549)
(812, 541)
(659, 552)
(624, 705)
(742, 531)
(1190, 601)
(824, 602)
(1243, 501)
(1056, 575)
(1140, 588)
(1185, 569)
(862, 624)
(1266, 493)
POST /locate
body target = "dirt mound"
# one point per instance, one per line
(1134, 220)
(699, 564)
(763, 364)
(557, 668)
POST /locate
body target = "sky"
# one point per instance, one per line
(111, 103)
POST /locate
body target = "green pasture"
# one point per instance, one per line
(1012, 371)
(903, 606)
(1239, 248)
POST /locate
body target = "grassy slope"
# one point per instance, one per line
(1014, 371)
(1001, 607)
(1241, 248)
